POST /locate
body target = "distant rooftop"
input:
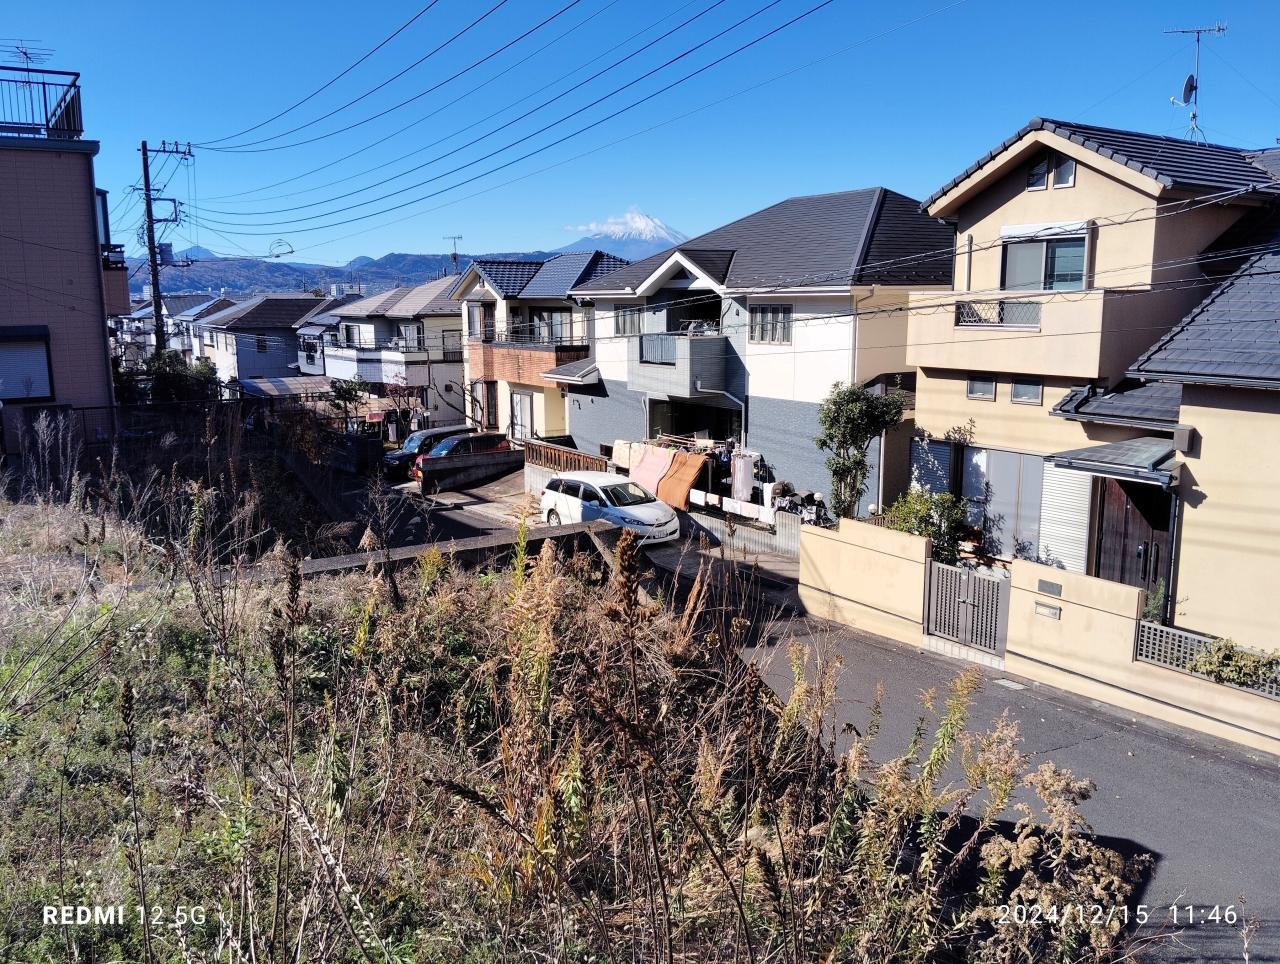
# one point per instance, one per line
(40, 104)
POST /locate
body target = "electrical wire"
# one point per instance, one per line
(386, 40)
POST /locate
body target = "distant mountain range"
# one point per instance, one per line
(632, 236)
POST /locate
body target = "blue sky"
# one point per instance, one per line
(904, 94)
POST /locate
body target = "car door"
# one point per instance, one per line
(592, 504)
(570, 501)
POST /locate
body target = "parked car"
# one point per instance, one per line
(461, 444)
(397, 464)
(586, 496)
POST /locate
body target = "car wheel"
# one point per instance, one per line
(553, 518)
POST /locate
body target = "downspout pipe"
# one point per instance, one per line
(742, 410)
(1170, 605)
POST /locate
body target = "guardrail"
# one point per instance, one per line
(1004, 313)
(40, 103)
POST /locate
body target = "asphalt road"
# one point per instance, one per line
(1207, 811)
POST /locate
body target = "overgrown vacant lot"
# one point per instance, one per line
(528, 764)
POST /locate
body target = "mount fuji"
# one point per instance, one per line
(633, 236)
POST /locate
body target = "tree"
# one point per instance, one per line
(348, 395)
(938, 515)
(851, 418)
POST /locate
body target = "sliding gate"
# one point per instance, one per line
(967, 606)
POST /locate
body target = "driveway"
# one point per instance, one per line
(1208, 811)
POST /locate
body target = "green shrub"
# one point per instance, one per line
(938, 515)
(1223, 662)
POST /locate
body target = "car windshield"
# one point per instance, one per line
(443, 448)
(627, 493)
(414, 441)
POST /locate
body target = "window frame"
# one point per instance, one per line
(623, 318)
(1025, 380)
(32, 335)
(968, 387)
(1046, 160)
(1045, 245)
(1059, 161)
(770, 324)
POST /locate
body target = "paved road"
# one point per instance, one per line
(1207, 811)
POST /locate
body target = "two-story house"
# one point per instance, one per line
(522, 323)
(255, 338)
(1075, 249)
(60, 275)
(136, 331)
(741, 332)
(408, 338)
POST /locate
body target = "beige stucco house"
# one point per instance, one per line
(1076, 249)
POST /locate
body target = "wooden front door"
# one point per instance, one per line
(1132, 544)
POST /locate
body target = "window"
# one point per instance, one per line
(771, 324)
(1064, 172)
(981, 386)
(1002, 495)
(555, 485)
(260, 344)
(1051, 265)
(411, 336)
(628, 321)
(1038, 175)
(1027, 391)
(550, 326)
(25, 374)
(480, 320)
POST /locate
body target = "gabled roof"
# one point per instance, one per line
(1231, 338)
(373, 305)
(1174, 162)
(431, 298)
(325, 313)
(818, 240)
(266, 311)
(173, 305)
(206, 307)
(507, 278)
(1150, 405)
(558, 275)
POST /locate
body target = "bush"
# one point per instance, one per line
(938, 515)
(1223, 662)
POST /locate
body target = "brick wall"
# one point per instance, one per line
(523, 365)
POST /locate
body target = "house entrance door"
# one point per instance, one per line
(521, 415)
(1132, 544)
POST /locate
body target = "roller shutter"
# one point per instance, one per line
(1064, 518)
(24, 370)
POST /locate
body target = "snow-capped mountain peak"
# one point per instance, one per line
(632, 235)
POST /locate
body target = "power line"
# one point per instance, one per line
(249, 146)
(386, 40)
(738, 50)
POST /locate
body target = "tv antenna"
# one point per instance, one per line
(455, 238)
(26, 53)
(1191, 86)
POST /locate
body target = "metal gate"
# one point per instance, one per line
(967, 606)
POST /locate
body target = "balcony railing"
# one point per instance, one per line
(658, 349)
(448, 345)
(40, 103)
(113, 258)
(1006, 314)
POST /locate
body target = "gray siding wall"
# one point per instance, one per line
(282, 351)
(600, 414)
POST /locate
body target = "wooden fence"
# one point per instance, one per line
(558, 458)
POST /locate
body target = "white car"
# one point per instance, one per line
(587, 496)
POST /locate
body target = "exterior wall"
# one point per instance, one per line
(275, 362)
(53, 274)
(1230, 528)
(865, 576)
(601, 414)
(548, 408)
(524, 365)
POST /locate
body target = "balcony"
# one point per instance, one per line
(40, 103)
(523, 362)
(678, 364)
(1054, 333)
(388, 361)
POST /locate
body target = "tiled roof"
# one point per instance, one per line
(206, 307)
(816, 240)
(1173, 162)
(265, 311)
(556, 276)
(326, 313)
(1231, 338)
(428, 299)
(378, 304)
(507, 278)
(1130, 403)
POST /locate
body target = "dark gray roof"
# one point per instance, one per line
(571, 371)
(1130, 403)
(816, 240)
(556, 276)
(1149, 459)
(1231, 338)
(206, 307)
(268, 311)
(174, 305)
(507, 278)
(1174, 162)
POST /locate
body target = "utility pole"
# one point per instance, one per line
(455, 238)
(157, 309)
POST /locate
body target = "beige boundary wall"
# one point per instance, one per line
(865, 576)
(1082, 640)
(1067, 630)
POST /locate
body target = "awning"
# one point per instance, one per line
(307, 330)
(288, 385)
(580, 372)
(1147, 459)
(1047, 229)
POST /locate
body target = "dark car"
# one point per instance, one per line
(463, 444)
(397, 464)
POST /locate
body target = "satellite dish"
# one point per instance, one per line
(1189, 88)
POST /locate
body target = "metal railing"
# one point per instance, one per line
(538, 335)
(1177, 648)
(448, 346)
(1006, 313)
(40, 103)
(113, 258)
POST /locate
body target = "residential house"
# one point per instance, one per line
(742, 332)
(1076, 248)
(255, 338)
(136, 331)
(188, 338)
(405, 338)
(521, 324)
(60, 275)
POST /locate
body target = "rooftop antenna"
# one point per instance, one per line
(1191, 86)
(455, 238)
(26, 53)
